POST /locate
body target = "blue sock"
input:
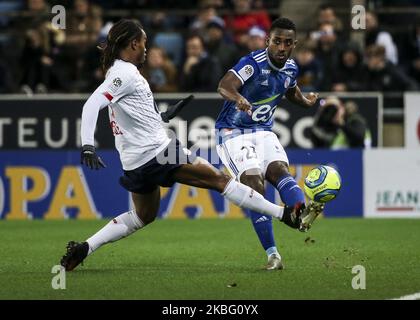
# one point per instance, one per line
(264, 229)
(290, 192)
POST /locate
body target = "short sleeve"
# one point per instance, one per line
(117, 85)
(245, 69)
(293, 81)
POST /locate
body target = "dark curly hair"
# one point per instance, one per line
(119, 37)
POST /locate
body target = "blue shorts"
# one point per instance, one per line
(146, 178)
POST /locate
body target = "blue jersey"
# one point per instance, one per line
(263, 85)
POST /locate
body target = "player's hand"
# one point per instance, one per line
(175, 109)
(311, 98)
(243, 104)
(90, 158)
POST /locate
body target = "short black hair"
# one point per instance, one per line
(283, 23)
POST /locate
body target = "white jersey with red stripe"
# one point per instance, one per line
(133, 115)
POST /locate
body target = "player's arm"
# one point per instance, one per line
(229, 87)
(296, 96)
(91, 108)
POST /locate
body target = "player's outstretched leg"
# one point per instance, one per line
(291, 194)
(146, 208)
(205, 176)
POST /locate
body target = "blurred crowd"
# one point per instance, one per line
(191, 52)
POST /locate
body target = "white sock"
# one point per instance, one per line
(119, 227)
(272, 250)
(245, 197)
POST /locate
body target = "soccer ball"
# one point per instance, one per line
(322, 184)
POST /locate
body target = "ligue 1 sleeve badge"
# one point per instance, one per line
(286, 82)
(249, 70)
(117, 82)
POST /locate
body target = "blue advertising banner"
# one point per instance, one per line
(53, 185)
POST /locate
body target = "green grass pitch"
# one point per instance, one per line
(214, 259)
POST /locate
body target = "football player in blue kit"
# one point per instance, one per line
(248, 148)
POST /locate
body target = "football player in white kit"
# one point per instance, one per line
(145, 148)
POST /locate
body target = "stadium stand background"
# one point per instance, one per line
(36, 58)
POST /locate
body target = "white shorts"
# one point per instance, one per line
(248, 151)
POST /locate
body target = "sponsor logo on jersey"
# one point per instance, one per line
(263, 113)
(264, 83)
(265, 71)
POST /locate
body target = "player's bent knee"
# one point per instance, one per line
(276, 169)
